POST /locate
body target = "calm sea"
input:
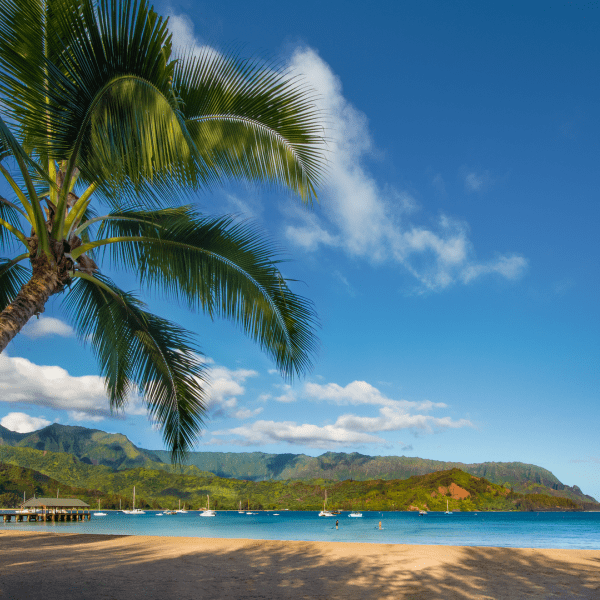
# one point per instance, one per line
(508, 529)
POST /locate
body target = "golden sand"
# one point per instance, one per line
(49, 566)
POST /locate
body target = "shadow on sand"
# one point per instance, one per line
(82, 567)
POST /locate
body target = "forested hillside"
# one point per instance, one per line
(115, 452)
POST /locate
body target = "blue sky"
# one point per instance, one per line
(453, 258)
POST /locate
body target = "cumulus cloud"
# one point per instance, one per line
(224, 388)
(45, 326)
(348, 429)
(395, 419)
(361, 216)
(361, 392)
(246, 413)
(373, 221)
(83, 397)
(288, 394)
(268, 432)
(23, 423)
(24, 382)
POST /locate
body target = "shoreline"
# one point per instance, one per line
(74, 565)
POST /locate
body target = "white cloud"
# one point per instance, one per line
(246, 413)
(23, 423)
(185, 41)
(510, 267)
(44, 326)
(363, 217)
(224, 388)
(348, 429)
(288, 394)
(393, 419)
(361, 392)
(84, 397)
(24, 382)
(268, 432)
(370, 220)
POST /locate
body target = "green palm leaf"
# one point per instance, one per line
(141, 352)
(221, 267)
(251, 120)
(93, 104)
(12, 277)
(12, 215)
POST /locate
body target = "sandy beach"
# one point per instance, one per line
(72, 566)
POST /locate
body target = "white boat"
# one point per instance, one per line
(240, 511)
(99, 514)
(325, 512)
(422, 512)
(448, 511)
(134, 510)
(355, 514)
(208, 512)
(183, 512)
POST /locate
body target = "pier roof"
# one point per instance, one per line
(55, 503)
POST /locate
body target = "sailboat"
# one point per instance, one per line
(134, 510)
(249, 512)
(99, 514)
(324, 512)
(448, 511)
(240, 511)
(183, 512)
(208, 512)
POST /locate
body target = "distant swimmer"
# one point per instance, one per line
(379, 524)
(336, 524)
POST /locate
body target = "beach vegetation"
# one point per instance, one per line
(163, 485)
(105, 133)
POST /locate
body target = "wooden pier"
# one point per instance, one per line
(48, 516)
(50, 509)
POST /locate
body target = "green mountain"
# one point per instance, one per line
(117, 452)
(89, 445)
(159, 488)
(339, 466)
(16, 481)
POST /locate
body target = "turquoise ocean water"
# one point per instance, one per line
(508, 529)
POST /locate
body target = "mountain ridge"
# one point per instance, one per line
(116, 451)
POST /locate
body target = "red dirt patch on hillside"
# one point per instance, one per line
(458, 493)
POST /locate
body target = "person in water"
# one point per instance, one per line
(336, 524)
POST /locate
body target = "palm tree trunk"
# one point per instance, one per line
(30, 301)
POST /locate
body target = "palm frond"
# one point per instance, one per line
(252, 120)
(11, 215)
(141, 352)
(12, 277)
(224, 268)
(106, 103)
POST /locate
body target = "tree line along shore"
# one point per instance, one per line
(157, 489)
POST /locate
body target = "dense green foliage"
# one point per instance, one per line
(93, 446)
(16, 481)
(163, 488)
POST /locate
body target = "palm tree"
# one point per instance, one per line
(101, 135)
